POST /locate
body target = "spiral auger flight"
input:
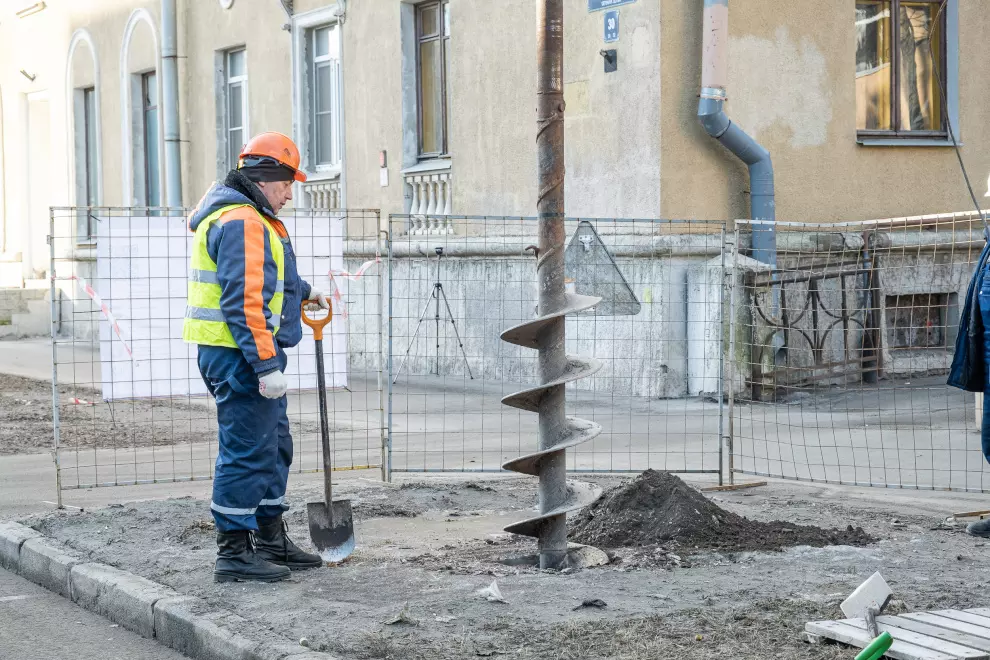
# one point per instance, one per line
(545, 333)
(558, 433)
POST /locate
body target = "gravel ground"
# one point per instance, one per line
(26, 419)
(427, 548)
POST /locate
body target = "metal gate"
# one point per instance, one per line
(129, 405)
(831, 367)
(843, 352)
(455, 282)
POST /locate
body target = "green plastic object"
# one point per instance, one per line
(876, 648)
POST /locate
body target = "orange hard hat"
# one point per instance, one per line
(278, 147)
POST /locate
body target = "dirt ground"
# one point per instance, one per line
(426, 548)
(26, 419)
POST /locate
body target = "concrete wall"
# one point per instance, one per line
(792, 86)
(372, 108)
(490, 286)
(206, 29)
(493, 127)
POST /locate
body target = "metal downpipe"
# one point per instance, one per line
(717, 124)
(170, 105)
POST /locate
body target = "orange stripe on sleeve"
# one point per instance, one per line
(254, 283)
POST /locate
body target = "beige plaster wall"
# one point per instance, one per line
(373, 108)
(205, 28)
(792, 86)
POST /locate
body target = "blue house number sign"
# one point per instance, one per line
(611, 26)
(595, 5)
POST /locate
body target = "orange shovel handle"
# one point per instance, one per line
(316, 324)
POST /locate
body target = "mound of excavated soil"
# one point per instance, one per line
(658, 508)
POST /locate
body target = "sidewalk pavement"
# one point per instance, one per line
(40, 625)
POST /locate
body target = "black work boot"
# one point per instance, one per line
(980, 528)
(275, 546)
(238, 560)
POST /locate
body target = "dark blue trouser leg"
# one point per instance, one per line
(983, 300)
(273, 502)
(249, 431)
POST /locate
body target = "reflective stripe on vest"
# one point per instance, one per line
(204, 322)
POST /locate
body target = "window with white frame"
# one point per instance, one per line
(87, 159)
(149, 135)
(433, 60)
(324, 98)
(236, 111)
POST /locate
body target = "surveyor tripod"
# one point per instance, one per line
(434, 298)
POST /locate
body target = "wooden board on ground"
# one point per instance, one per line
(937, 635)
(716, 489)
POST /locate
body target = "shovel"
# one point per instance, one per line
(331, 524)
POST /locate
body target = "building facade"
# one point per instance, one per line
(429, 106)
(427, 109)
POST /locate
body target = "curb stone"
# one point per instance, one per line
(47, 565)
(12, 537)
(183, 623)
(125, 599)
(178, 626)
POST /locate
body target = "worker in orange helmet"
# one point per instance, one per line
(243, 310)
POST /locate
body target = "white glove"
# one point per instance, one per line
(273, 385)
(319, 298)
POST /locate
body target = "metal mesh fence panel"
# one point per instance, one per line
(455, 283)
(840, 355)
(129, 403)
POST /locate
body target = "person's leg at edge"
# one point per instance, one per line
(248, 427)
(982, 527)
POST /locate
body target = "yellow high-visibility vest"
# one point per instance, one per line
(204, 322)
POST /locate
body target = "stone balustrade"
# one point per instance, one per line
(431, 199)
(323, 195)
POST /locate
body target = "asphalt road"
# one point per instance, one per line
(35, 624)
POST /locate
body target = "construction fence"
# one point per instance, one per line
(828, 366)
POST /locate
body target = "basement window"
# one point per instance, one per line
(922, 320)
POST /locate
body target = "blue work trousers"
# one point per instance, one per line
(252, 467)
(983, 300)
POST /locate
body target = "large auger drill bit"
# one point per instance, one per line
(546, 332)
(558, 433)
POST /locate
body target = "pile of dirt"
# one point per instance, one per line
(657, 508)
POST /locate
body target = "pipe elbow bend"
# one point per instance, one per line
(713, 119)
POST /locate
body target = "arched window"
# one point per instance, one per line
(141, 130)
(83, 95)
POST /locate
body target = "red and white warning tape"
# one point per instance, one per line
(353, 277)
(95, 297)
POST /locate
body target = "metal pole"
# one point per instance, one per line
(381, 349)
(436, 309)
(388, 381)
(54, 318)
(721, 363)
(170, 105)
(546, 332)
(732, 355)
(550, 272)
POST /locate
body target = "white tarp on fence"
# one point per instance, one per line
(142, 263)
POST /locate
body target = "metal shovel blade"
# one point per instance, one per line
(332, 531)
